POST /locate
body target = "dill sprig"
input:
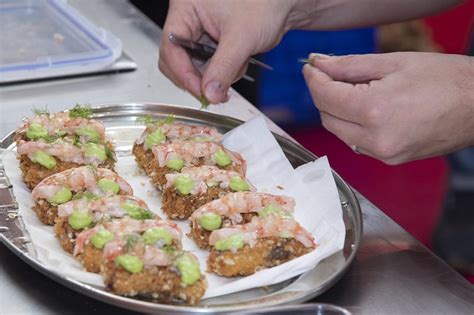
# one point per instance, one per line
(204, 101)
(130, 241)
(80, 111)
(150, 120)
(41, 111)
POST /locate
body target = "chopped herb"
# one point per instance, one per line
(109, 153)
(79, 111)
(76, 141)
(204, 101)
(304, 60)
(41, 111)
(130, 241)
(85, 194)
(150, 120)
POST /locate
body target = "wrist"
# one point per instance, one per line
(301, 14)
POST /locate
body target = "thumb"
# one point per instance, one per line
(231, 55)
(355, 68)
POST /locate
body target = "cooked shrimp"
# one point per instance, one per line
(266, 227)
(205, 176)
(82, 178)
(192, 151)
(233, 204)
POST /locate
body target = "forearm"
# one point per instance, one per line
(340, 14)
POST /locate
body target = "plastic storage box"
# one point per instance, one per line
(49, 38)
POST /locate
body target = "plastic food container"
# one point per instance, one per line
(48, 38)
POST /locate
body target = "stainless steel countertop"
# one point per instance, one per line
(393, 273)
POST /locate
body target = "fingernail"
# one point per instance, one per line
(214, 92)
(318, 56)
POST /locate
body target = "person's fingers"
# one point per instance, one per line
(342, 100)
(226, 65)
(348, 132)
(356, 68)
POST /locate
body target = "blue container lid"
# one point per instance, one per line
(48, 38)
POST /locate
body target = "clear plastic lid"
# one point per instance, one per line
(48, 38)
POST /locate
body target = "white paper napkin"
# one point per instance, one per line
(318, 208)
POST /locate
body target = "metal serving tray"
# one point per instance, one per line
(119, 120)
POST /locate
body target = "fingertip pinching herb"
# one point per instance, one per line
(80, 111)
(204, 101)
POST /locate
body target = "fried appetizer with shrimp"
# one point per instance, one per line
(143, 258)
(264, 242)
(173, 156)
(195, 186)
(236, 208)
(50, 143)
(75, 183)
(93, 243)
(81, 214)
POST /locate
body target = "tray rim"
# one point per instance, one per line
(102, 110)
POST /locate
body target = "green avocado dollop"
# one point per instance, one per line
(108, 185)
(95, 150)
(154, 138)
(101, 238)
(62, 196)
(136, 212)
(233, 242)
(43, 159)
(221, 158)
(131, 263)
(89, 132)
(175, 164)
(155, 234)
(188, 266)
(237, 183)
(36, 131)
(273, 210)
(79, 220)
(184, 184)
(210, 221)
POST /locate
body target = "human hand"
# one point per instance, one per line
(396, 107)
(241, 27)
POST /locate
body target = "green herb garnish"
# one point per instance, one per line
(41, 111)
(130, 241)
(150, 120)
(204, 101)
(79, 111)
(109, 153)
(85, 194)
(304, 60)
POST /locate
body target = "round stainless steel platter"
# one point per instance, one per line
(119, 120)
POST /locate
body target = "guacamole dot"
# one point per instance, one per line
(95, 150)
(184, 184)
(43, 159)
(233, 242)
(175, 164)
(101, 238)
(221, 158)
(238, 184)
(210, 221)
(131, 263)
(79, 220)
(89, 133)
(108, 185)
(154, 138)
(62, 196)
(188, 266)
(155, 234)
(136, 212)
(36, 131)
(273, 210)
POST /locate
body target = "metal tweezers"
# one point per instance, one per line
(204, 52)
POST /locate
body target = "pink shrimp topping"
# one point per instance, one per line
(271, 226)
(203, 177)
(77, 179)
(183, 131)
(233, 204)
(192, 151)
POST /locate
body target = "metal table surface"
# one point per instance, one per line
(392, 274)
